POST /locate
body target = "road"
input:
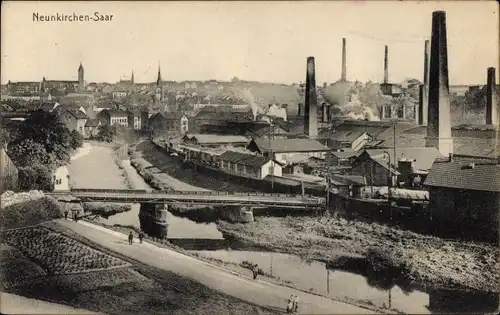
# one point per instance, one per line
(254, 291)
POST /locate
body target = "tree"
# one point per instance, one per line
(27, 152)
(48, 130)
(35, 177)
(106, 133)
(76, 140)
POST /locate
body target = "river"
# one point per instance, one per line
(308, 276)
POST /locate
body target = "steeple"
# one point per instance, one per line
(158, 81)
(132, 77)
(80, 75)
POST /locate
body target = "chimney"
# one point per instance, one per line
(439, 124)
(421, 113)
(324, 110)
(386, 65)
(424, 93)
(300, 110)
(382, 112)
(491, 99)
(328, 113)
(343, 77)
(450, 157)
(310, 111)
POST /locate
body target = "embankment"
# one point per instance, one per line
(25, 209)
(421, 259)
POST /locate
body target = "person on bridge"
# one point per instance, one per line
(141, 236)
(130, 238)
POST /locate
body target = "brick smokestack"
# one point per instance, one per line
(439, 124)
(420, 111)
(328, 113)
(424, 93)
(310, 110)
(300, 110)
(343, 76)
(324, 111)
(386, 65)
(491, 99)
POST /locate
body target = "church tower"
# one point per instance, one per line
(159, 86)
(80, 76)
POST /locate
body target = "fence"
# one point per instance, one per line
(9, 178)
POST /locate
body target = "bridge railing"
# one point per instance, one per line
(184, 192)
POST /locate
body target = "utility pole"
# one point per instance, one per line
(327, 188)
(271, 264)
(271, 152)
(389, 184)
(328, 280)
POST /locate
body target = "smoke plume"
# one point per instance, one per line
(356, 100)
(248, 97)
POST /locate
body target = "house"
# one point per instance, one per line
(464, 194)
(213, 115)
(48, 106)
(61, 179)
(214, 140)
(119, 94)
(283, 149)
(175, 123)
(380, 166)
(92, 127)
(137, 119)
(74, 119)
(248, 165)
(113, 117)
(9, 178)
(347, 185)
(102, 106)
(339, 140)
(341, 158)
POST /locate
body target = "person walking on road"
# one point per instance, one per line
(65, 214)
(141, 236)
(255, 271)
(295, 304)
(289, 305)
(130, 238)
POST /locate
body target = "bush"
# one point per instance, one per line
(35, 177)
(76, 140)
(30, 212)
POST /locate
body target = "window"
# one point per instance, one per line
(58, 181)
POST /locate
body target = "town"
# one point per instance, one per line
(393, 183)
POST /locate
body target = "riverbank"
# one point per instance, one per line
(422, 259)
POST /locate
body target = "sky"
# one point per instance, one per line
(262, 41)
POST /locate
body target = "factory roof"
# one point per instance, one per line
(289, 145)
(424, 157)
(467, 173)
(341, 135)
(215, 139)
(244, 158)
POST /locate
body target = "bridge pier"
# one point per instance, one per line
(153, 219)
(236, 214)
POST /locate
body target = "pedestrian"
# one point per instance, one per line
(141, 236)
(65, 214)
(289, 305)
(255, 271)
(130, 238)
(295, 304)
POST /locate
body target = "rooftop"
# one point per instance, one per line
(483, 175)
(244, 159)
(290, 145)
(214, 139)
(424, 157)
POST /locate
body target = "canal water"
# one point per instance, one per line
(309, 276)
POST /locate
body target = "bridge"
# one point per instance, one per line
(192, 197)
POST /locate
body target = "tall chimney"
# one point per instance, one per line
(343, 77)
(439, 125)
(300, 110)
(491, 99)
(424, 94)
(324, 110)
(382, 112)
(328, 113)
(386, 65)
(310, 110)
(421, 111)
